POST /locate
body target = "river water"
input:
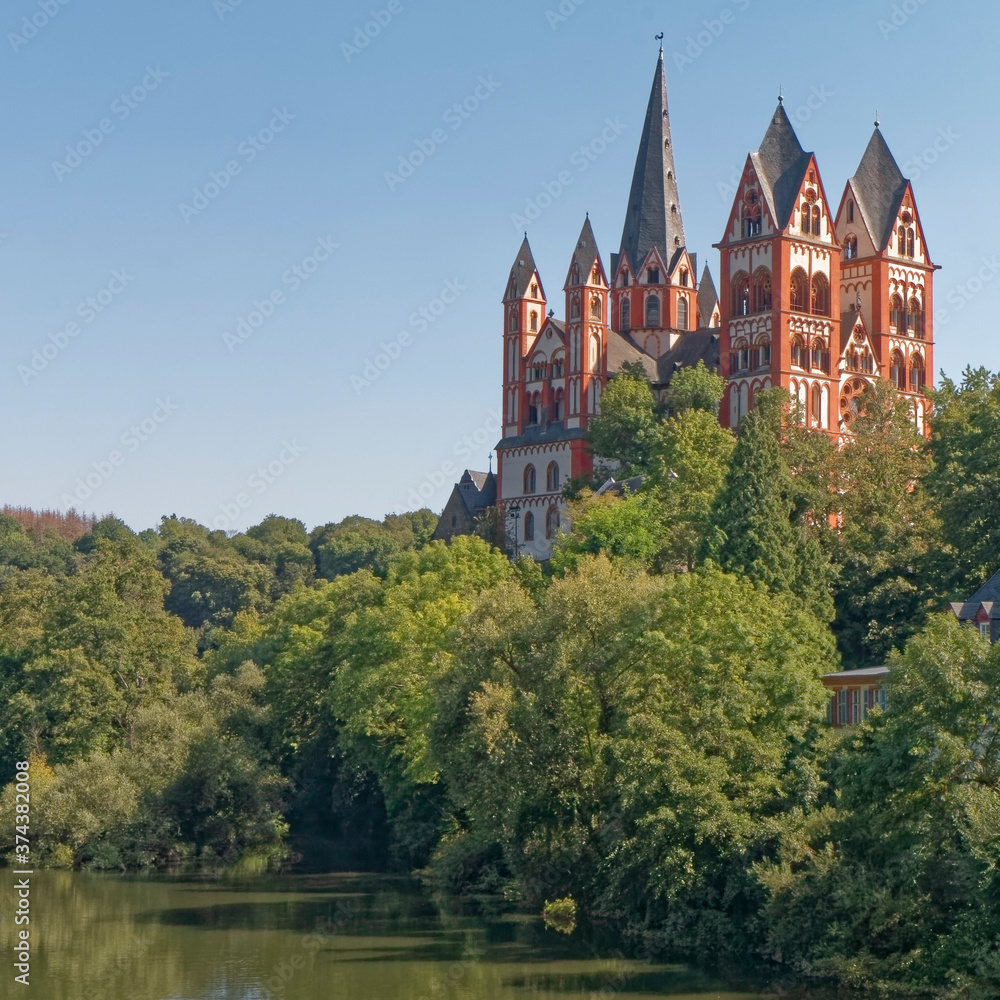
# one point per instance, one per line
(301, 937)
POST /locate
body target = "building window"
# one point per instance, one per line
(764, 354)
(910, 243)
(552, 522)
(653, 276)
(653, 311)
(682, 313)
(574, 307)
(897, 371)
(512, 323)
(626, 315)
(558, 366)
(851, 247)
(820, 295)
(533, 410)
(534, 291)
(915, 319)
(817, 405)
(534, 321)
(798, 353)
(818, 360)
(596, 312)
(895, 312)
(552, 477)
(916, 373)
(850, 211)
(752, 216)
(684, 277)
(806, 216)
(529, 527)
(817, 221)
(799, 290)
(762, 290)
(842, 707)
(529, 480)
(741, 294)
(739, 360)
(559, 407)
(624, 279)
(984, 629)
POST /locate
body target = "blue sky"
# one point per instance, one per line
(233, 144)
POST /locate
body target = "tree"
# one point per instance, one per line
(881, 549)
(696, 388)
(627, 428)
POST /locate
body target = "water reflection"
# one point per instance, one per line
(302, 938)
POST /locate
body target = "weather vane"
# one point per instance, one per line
(659, 38)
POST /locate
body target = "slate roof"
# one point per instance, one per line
(988, 596)
(618, 488)
(551, 433)
(708, 297)
(698, 345)
(848, 675)
(521, 272)
(622, 348)
(586, 252)
(781, 164)
(478, 490)
(650, 221)
(879, 186)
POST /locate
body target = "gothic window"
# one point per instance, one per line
(901, 241)
(552, 477)
(817, 360)
(741, 294)
(817, 404)
(910, 241)
(574, 307)
(626, 308)
(740, 359)
(529, 527)
(653, 276)
(534, 321)
(538, 369)
(682, 313)
(868, 362)
(806, 216)
(595, 353)
(552, 522)
(798, 353)
(763, 358)
(512, 406)
(916, 373)
(751, 215)
(851, 247)
(512, 362)
(800, 290)
(897, 370)
(895, 311)
(596, 312)
(574, 351)
(534, 291)
(685, 277)
(820, 295)
(559, 407)
(533, 409)
(652, 311)
(762, 290)
(512, 324)
(595, 278)
(574, 275)
(625, 279)
(915, 319)
(558, 366)
(850, 211)
(529, 480)
(817, 221)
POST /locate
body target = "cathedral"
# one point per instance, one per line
(815, 297)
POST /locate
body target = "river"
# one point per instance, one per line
(302, 937)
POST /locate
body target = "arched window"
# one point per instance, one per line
(529, 527)
(533, 409)
(896, 312)
(595, 353)
(596, 312)
(751, 215)
(806, 215)
(762, 290)
(653, 311)
(741, 294)
(534, 321)
(512, 325)
(559, 406)
(800, 290)
(682, 313)
(798, 353)
(817, 221)
(910, 243)
(817, 405)
(763, 352)
(529, 480)
(820, 295)
(574, 275)
(818, 360)
(897, 370)
(574, 307)
(558, 366)
(552, 522)
(901, 241)
(684, 277)
(915, 319)
(850, 211)
(626, 309)
(916, 373)
(552, 477)
(851, 246)
(739, 359)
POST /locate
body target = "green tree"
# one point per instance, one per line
(627, 429)
(696, 388)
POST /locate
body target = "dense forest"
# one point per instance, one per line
(630, 740)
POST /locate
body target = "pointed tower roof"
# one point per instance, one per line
(781, 164)
(708, 297)
(585, 253)
(879, 186)
(521, 272)
(654, 209)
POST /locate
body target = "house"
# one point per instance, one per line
(473, 494)
(853, 693)
(982, 609)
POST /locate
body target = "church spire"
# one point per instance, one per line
(654, 211)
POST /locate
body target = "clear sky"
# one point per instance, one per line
(233, 144)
